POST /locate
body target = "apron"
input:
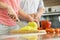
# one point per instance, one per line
(5, 29)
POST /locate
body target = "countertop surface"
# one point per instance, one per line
(47, 36)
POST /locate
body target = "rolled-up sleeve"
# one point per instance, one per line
(41, 4)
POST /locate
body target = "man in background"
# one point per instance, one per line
(34, 8)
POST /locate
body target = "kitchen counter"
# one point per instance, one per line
(49, 36)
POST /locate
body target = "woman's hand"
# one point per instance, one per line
(12, 14)
(36, 18)
(31, 19)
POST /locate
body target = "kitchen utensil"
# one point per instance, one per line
(20, 23)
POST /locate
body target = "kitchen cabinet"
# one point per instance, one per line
(51, 2)
(51, 14)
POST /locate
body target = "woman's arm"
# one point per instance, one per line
(3, 5)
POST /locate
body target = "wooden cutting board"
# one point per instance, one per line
(19, 35)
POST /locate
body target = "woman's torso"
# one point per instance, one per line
(4, 18)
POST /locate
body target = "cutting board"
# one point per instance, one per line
(18, 35)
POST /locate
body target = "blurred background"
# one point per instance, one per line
(52, 12)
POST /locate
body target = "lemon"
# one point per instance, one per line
(32, 24)
(26, 28)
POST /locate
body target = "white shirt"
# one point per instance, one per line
(31, 6)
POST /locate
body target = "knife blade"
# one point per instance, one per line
(21, 24)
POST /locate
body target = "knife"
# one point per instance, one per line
(21, 24)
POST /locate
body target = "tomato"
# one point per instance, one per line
(45, 24)
(57, 34)
(51, 30)
(57, 30)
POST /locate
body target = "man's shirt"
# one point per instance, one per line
(31, 6)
